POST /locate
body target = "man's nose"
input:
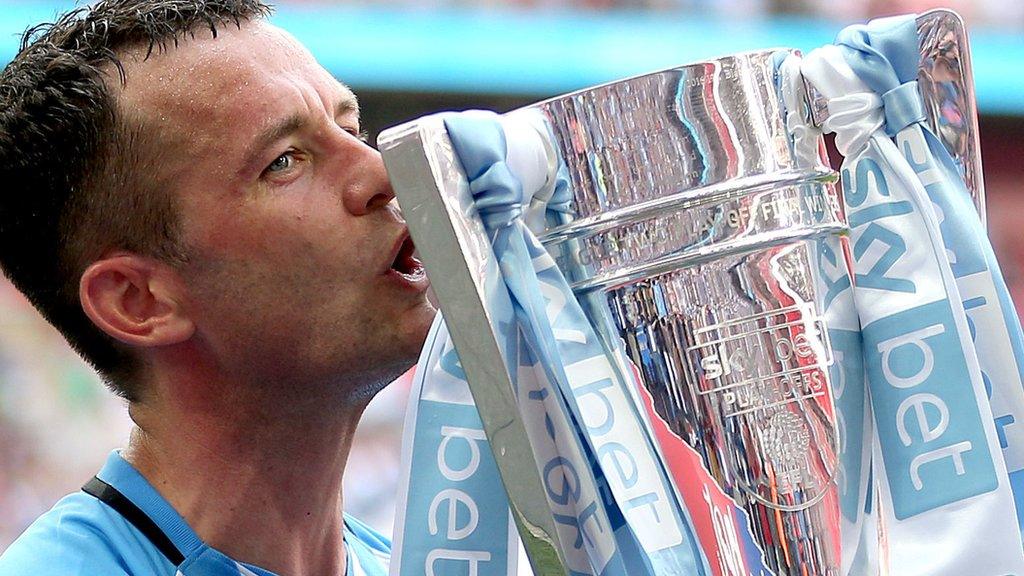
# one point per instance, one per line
(372, 189)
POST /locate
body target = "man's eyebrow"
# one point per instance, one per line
(278, 130)
(271, 134)
(347, 104)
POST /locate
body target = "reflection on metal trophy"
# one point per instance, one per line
(698, 226)
(704, 237)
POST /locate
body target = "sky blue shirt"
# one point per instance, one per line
(82, 536)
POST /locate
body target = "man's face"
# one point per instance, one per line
(298, 266)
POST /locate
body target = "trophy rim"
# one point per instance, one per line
(724, 58)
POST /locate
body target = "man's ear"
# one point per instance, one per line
(135, 300)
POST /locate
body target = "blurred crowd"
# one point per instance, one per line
(56, 421)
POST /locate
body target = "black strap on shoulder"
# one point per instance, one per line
(111, 497)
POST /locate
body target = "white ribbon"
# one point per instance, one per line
(945, 495)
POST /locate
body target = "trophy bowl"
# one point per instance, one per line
(697, 231)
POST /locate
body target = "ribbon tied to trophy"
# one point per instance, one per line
(680, 354)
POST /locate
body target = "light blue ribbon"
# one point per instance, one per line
(444, 426)
(498, 196)
(884, 54)
(481, 147)
(479, 142)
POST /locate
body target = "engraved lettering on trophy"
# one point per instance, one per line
(817, 203)
(785, 441)
(646, 240)
(771, 209)
(699, 80)
(750, 366)
(785, 344)
(704, 228)
(738, 217)
(772, 392)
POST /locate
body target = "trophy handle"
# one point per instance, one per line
(946, 83)
(947, 88)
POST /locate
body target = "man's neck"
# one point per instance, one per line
(259, 484)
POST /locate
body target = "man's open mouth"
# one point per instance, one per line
(406, 263)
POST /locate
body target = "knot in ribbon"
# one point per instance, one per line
(884, 54)
(561, 199)
(854, 110)
(498, 196)
(479, 142)
(854, 118)
(903, 107)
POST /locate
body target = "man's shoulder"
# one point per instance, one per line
(81, 536)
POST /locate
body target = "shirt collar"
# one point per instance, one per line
(128, 481)
(133, 485)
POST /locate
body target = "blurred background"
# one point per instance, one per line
(406, 58)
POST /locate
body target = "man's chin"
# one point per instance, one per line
(424, 315)
(411, 332)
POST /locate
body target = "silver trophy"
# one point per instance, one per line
(703, 221)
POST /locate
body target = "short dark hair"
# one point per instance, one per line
(76, 175)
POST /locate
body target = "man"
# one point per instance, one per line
(188, 199)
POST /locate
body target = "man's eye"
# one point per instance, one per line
(281, 163)
(360, 134)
